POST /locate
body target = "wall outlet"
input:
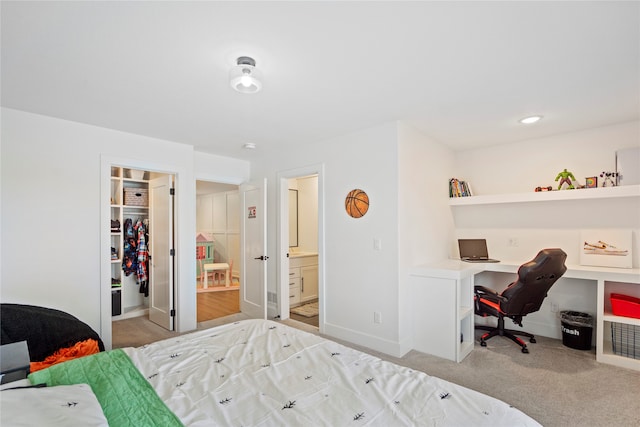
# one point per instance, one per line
(377, 317)
(513, 242)
(554, 307)
(377, 244)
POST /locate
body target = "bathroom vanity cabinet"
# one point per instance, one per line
(303, 278)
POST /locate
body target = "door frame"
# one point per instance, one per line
(282, 240)
(213, 180)
(106, 162)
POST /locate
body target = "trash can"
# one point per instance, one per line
(577, 329)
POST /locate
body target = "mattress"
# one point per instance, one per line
(264, 373)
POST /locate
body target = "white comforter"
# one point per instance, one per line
(263, 373)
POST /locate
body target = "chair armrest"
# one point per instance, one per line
(481, 290)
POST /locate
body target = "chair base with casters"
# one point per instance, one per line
(507, 333)
(522, 297)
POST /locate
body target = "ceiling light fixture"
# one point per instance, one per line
(249, 146)
(244, 77)
(529, 120)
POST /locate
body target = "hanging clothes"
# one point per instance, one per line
(130, 255)
(142, 258)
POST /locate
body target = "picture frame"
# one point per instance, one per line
(591, 182)
(606, 248)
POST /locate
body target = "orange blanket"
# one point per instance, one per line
(79, 349)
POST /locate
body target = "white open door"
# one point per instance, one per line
(161, 252)
(253, 287)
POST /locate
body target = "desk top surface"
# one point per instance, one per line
(456, 269)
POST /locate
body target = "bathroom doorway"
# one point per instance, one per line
(217, 250)
(301, 246)
(303, 250)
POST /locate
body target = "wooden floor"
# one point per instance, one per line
(212, 305)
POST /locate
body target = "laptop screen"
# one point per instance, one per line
(473, 248)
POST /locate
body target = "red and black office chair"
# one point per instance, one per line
(521, 297)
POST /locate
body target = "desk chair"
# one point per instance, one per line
(521, 297)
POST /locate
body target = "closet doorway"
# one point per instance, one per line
(142, 242)
(217, 250)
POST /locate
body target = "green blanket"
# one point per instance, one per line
(127, 399)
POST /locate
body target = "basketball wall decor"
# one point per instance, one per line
(356, 203)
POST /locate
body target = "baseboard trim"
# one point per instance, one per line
(385, 346)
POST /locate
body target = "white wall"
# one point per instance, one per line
(519, 168)
(358, 279)
(210, 167)
(425, 225)
(307, 214)
(537, 162)
(218, 217)
(51, 208)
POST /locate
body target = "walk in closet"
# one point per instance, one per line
(134, 241)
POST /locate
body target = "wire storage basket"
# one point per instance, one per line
(626, 340)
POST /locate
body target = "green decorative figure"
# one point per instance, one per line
(566, 178)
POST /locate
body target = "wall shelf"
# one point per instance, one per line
(547, 196)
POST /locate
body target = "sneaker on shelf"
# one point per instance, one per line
(115, 225)
(114, 253)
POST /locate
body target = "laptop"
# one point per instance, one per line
(474, 250)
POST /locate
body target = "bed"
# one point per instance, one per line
(264, 373)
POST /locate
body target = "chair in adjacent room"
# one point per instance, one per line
(220, 272)
(521, 297)
(224, 276)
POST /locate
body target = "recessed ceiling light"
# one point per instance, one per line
(249, 146)
(529, 120)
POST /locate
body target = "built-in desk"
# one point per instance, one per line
(442, 294)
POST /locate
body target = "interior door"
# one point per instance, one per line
(253, 287)
(160, 249)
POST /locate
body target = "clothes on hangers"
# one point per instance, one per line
(135, 258)
(143, 258)
(130, 255)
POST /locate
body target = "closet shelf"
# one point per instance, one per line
(130, 207)
(549, 196)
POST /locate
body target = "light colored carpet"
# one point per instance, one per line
(307, 310)
(554, 384)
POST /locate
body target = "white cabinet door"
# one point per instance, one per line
(308, 283)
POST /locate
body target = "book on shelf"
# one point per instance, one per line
(459, 188)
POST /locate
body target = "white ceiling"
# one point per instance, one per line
(461, 72)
